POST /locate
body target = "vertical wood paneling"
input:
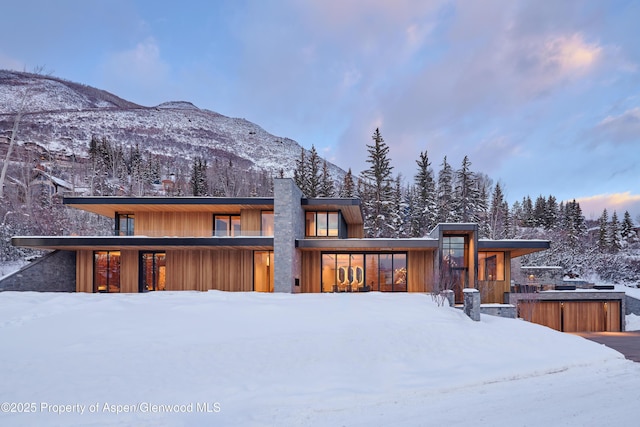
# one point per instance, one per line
(355, 231)
(492, 292)
(250, 221)
(547, 313)
(583, 316)
(310, 275)
(181, 224)
(84, 271)
(420, 271)
(613, 316)
(129, 271)
(202, 270)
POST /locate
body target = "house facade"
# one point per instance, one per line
(288, 243)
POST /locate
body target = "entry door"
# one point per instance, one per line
(153, 267)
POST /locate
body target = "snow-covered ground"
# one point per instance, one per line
(8, 267)
(296, 360)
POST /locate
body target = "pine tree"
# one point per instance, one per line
(398, 211)
(626, 230)
(313, 174)
(498, 214)
(527, 212)
(614, 234)
(301, 174)
(603, 238)
(326, 184)
(198, 180)
(539, 211)
(445, 193)
(348, 188)
(550, 219)
(466, 192)
(380, 187)
(424, 211)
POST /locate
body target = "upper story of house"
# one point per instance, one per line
(327, 218)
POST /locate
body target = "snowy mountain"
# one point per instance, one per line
(62, 116)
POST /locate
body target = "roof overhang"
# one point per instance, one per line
(515, 247)
(142, 243)
(350, 208)
(109, 205)
(366, 244)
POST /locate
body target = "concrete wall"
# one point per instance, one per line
(632, 305)
(54, 272)
(288, 225)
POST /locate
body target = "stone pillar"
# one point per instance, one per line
(450, 296)
(472, 303)
(288, 225)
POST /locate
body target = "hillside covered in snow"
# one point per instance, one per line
(63, 116)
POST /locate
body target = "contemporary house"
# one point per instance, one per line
(287, 243)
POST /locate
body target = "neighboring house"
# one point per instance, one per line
(287, 243)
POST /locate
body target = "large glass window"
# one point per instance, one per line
(153, 271)
(106, 271)
(322, 224)
(226, 225)
(490, 266)
(267, 223)
(124, 224)
(358, 272)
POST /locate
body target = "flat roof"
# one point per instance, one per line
(367, 244)
(109, 205)
(517, 247)
(142, 242)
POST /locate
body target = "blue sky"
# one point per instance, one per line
(542, 95)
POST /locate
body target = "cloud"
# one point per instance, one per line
(592, 206)
(140, 72)
(619, 130)
(9, 63)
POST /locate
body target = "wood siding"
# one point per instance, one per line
(84, 271)
(310, 278)
(420, 271)
(573, 316)
(546, 313)
(202, 270)
(355, 231)
(175, 224)
(250, 222)
(129, 271)
(591, 316)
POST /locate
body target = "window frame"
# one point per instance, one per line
(230, 230)
(322, 224)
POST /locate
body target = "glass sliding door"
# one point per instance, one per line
(359, 272)
(106, 271)
(153, 271)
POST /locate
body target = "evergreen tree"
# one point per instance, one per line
(540, 212)
(498, 214)
(326, 184)
(380, 182)
(313, 174)
(466, 193)
(198, 180)
(301, 174)
(550, 219)
(527, 212)
(398, 213)
(348, 188)
(445, 193)
(424, 211)
(603, 238)
(626, 230)
(615, 238)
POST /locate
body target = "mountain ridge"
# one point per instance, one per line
(62, 116)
